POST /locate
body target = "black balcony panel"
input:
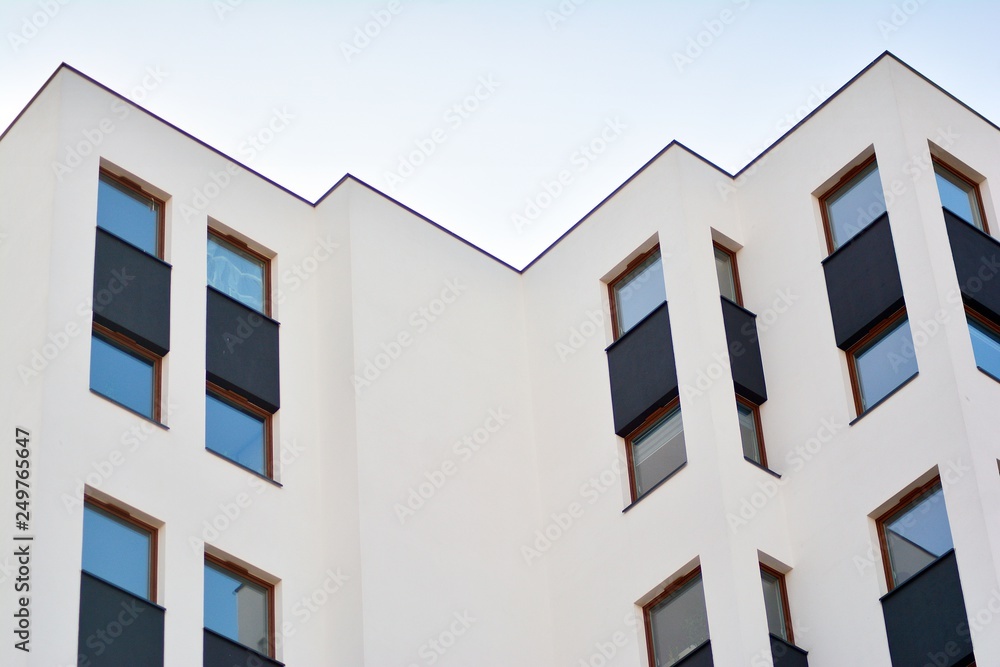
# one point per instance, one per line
(862, 282)
(222, 652)
(242, 351)
(925, 618)
(787, 655)
(700, 657)
(977, 263)
(132, 292)
(643, 376)
(744, 352)
(117, 629)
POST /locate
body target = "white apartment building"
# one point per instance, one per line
(740, 421)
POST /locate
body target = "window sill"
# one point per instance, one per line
(243, 467)
(987, 373)
(654, 487)
(883, 399)
(761, 467)
(135, 412)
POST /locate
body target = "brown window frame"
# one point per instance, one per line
(892, 511)
(736, 272)
(783, 589)
(242, 572)
(639, 431)
(241, 245)
(824, 199)
(621, 276)
(138, 189)
(153, 531)
(137, 349)
(968, 181)
(647, 608)
(757, 426)
(852, 353)
(243, 404)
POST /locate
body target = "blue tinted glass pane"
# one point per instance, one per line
(954, 198)
(774, 605)
(234, 433)
(748, 432)
(236, 608)
(658, 452)
(885, 364)
(679, 624)
(855, 206)
(640, 292)
(236, 273)
(128, 215)
(121, 376)
(918, 535)
(116, 551)
(986, 347)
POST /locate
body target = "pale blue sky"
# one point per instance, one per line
(617, 73)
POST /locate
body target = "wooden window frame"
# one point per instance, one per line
(647, 609)
(736, 272)
(124, 515)
(972, 184)
(139, 190)
(783, 590)
(243, 573)
(242, 246)
(757, 427)
(134, 348)
(852, 356)
(240, 403)
(892, 511)
(639, 431)
(825, 198)
(619, 278)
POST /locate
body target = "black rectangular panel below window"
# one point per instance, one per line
(700, 657)
(787, 655)
(132, 292)
(977, 263)
(242, 351)
(744, 352)
(117, 629)
(862, 282)
(222, 652)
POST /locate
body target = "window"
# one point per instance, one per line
(914, 534)
(750, 431)
(637, 292)
(959, 195)
(779, 621)
(237, 430)
(985, 343)
(729, 279)
(124, 372)
(882, 361)
(119, 549)
(656, 449)
(676, 621)
(124, 210)
(238, 272)
(853, 205)
(239, 606)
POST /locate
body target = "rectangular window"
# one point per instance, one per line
(729, 278)
(238, 272)
(637, 292)
(676, 621)
(915, 533)
(119, 549)
(985, 343)
(239, 606)
(960, 196)
(853, 204)
(238, 430)
(779, 621)
(124, 372)
(750, 431)
(124, 210)
(656, 450)
(882, 361)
